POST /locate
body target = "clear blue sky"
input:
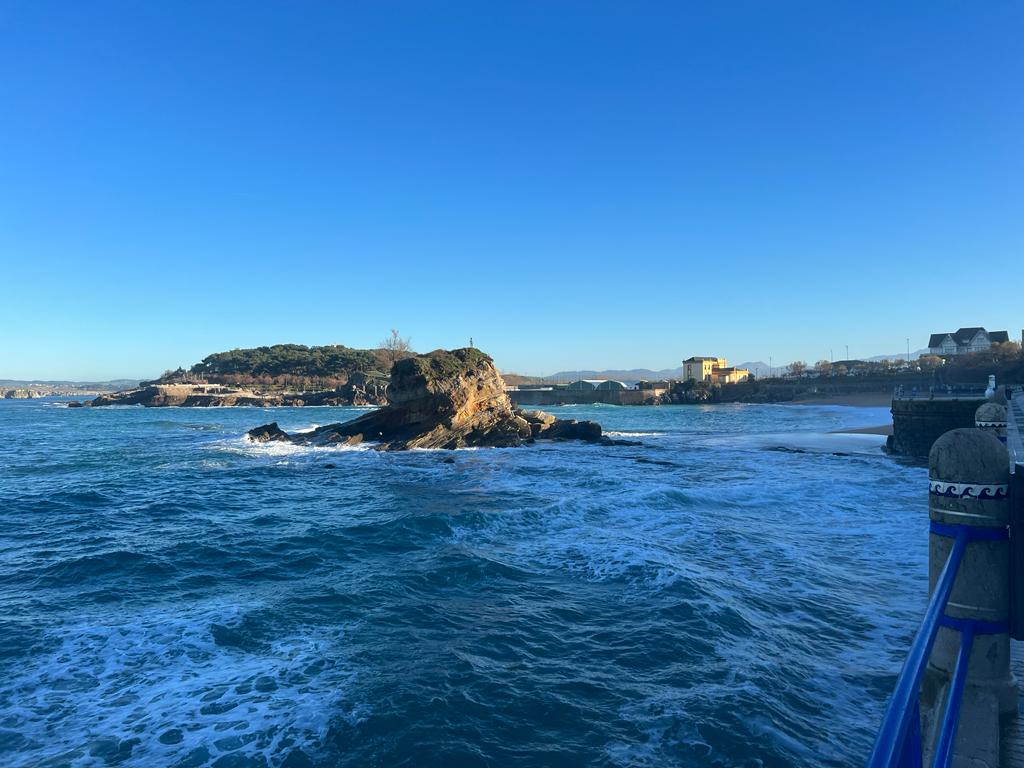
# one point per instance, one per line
(574, 184)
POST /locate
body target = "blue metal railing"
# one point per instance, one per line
(899, 743)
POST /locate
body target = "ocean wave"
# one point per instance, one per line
(161, 687)
(246, 446)
(451, 450)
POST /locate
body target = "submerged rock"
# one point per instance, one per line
(446, 399)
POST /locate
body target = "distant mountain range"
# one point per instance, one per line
(636, 374)
(757, 367)
(900, 356)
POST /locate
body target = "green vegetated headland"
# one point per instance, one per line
(290, 366)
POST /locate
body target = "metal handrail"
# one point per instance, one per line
(898, 744)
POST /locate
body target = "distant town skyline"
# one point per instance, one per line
(574, 185)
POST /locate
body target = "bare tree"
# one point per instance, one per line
(796, 368)
(823, 367)
(395, 347)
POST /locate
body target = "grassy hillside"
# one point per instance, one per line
(289, 366)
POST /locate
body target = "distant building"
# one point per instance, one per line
(964, 341)
(730, 375)
(658, 386)
(613, 385)
(712, 369)
(585, 385)
(702, 368)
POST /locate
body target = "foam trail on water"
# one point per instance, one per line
(162, 687)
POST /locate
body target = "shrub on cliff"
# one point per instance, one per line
(441, 364)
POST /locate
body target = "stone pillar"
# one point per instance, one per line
(968, 473)
(991, 417)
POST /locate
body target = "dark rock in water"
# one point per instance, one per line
(75, 404)
(446, 399)
(570, 429)
(267, 432)
(330, 466)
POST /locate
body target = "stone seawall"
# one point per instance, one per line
(532, 397)
(917, 424)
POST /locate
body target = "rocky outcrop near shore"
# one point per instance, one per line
(22, 394)
(215, 395)
(446, 399)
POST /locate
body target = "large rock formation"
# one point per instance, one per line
(447, 399)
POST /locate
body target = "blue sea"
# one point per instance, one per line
(739, 590)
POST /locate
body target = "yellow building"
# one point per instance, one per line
(702, 368)
(730, 375)
(712, 369)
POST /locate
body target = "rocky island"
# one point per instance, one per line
(283, 374)
(444, 399)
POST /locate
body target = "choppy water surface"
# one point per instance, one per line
(172, 595)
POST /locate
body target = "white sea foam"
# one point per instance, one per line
(121, 678)
(447, 450)
(246, 446)
(808, 442)
(616, 433)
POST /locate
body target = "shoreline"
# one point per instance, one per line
(881, 429)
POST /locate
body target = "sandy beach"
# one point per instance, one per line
(856, 400)
(881, 429)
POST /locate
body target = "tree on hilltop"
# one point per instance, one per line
(395, 347)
